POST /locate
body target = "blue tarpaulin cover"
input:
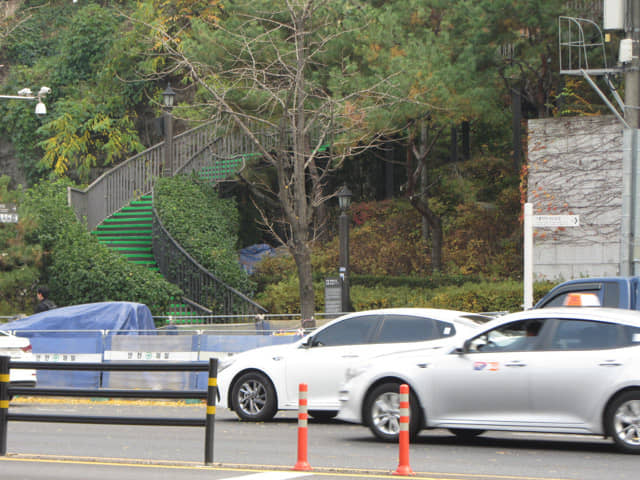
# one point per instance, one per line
(121, 316)
(252, 254)
(77, 330)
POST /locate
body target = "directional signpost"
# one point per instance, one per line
(555, 220)
(8, 213)
(539, 221)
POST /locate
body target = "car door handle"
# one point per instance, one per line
(610, 363)
(350, 356)
(515, 364)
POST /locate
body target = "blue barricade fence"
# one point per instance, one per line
(153, 346)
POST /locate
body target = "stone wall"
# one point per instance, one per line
(9, 164)
(575, 168)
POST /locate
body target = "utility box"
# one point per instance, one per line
(332, 295)
(613, 14)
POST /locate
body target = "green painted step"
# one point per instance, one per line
(121, 241)
(129, 232)
(120, 224)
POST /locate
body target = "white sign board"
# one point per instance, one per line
(555, 220)
(8, 213)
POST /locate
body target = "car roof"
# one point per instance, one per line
(466, 318)
(618, 315)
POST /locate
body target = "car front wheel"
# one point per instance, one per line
(623, 422)
(382, 412)
(253, 397)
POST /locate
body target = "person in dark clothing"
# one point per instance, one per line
(44, 303)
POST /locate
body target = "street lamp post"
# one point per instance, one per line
(344, 201)
(167, 97)
(27, 94)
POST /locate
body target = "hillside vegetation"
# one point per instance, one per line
(413, 99)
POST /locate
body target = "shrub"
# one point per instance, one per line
(485, 296)
(205, 225)
(78, 268)
(84, 271)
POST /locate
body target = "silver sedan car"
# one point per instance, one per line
(560, 370)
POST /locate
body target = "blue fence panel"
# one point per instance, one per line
(212, 344)
(60, 347)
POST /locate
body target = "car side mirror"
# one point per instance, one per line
(466, 346)
(308, 343)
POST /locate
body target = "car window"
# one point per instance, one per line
(584, 335)
(561, 299)
(632, 336)
(408, 328)
(514, 336)
(350, 331)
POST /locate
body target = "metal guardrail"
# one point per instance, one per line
(198, 284)
(135, 176)
(7, 391)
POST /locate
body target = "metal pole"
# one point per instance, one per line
(210, 420)
(4, 403)
(168, 143)
(630, 228)
(343, 233)
(528, 256)
(632, 73)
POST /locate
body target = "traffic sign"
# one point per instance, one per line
(556, 220)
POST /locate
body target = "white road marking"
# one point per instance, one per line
(271, 476)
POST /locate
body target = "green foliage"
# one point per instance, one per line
(284, 296)
(91, 112)
(435, 280)
(84, 271)
(486, 296)
(50, 246)
(84, 44)
(20, 260)
(390, 263)
(204, 224)
(83, 137)
(475, 296)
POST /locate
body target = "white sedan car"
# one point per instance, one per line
(557, 370)
(259, 382)
(18, 348)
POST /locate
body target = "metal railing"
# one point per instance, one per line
(7, 391)
(197, 283)
(135, 176)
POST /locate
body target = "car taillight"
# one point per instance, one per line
(26, 349)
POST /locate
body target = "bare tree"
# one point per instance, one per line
(280, 71)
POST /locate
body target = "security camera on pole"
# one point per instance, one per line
(27, 94)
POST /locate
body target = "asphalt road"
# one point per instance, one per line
(268, 451)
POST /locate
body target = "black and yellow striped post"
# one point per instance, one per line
(210, 421)
(4, 403)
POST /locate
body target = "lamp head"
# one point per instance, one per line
(344, 197)
(168, 96)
